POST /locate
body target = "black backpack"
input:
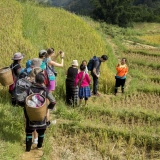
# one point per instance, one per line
(24, 74)
(24, 83)
(91, 62)
(20, 92)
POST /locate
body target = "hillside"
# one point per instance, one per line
(119, 127)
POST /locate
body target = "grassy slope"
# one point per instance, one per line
(27, 29)
(122, 127)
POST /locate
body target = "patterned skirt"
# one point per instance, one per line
(84, 92)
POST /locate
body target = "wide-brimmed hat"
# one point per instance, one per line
(18, 56)
(75, 63)
(36, 62)
(42, 52)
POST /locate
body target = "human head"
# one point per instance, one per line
(36, 62)
(50, 51)
(17, 56)
(84, 62)
(104, 58)
(123, 61)
(75, 63)
(42, 53)
(40, 78)
(82, 67)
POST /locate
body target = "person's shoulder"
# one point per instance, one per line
(97, 60)
(80, 72)
(16, 66)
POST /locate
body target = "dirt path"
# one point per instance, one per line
(34, 154)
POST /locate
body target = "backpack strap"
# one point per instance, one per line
(14, 66)
(51, 68)
(13, 74)
(30, 91)
(41, 92)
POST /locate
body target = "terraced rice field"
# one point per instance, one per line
(122, 127)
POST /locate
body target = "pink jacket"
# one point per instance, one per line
(86, 81)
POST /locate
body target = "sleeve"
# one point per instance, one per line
(118, 68)
(51, 100)
(126, 70)
(96, 64)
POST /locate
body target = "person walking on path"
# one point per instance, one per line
(16, 70)
(83, 81)
(39, 126)
(96, 73)
(71, 89)
(122, 70)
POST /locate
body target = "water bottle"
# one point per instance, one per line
(38, 104)
(31, 104)
(40, 98)
(34, 99)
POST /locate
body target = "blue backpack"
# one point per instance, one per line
(91, 62)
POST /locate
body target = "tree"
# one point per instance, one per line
(113, 11)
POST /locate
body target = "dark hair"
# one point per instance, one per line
(40, 78)
(84, 61)
(104, 57)
(82, 67)
(42, 55)
(125, 59)
(16, 61)
(50, 51)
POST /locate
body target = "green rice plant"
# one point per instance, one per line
(11, 131)
(66, 113)
(39, 34)
(121, 47)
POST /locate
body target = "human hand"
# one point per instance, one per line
(62, 54)
(98, 75)
(118, 64)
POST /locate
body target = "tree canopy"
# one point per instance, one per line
(124, 12)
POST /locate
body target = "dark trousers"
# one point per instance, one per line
(119, 82)
(29, 139)
(95, 84)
